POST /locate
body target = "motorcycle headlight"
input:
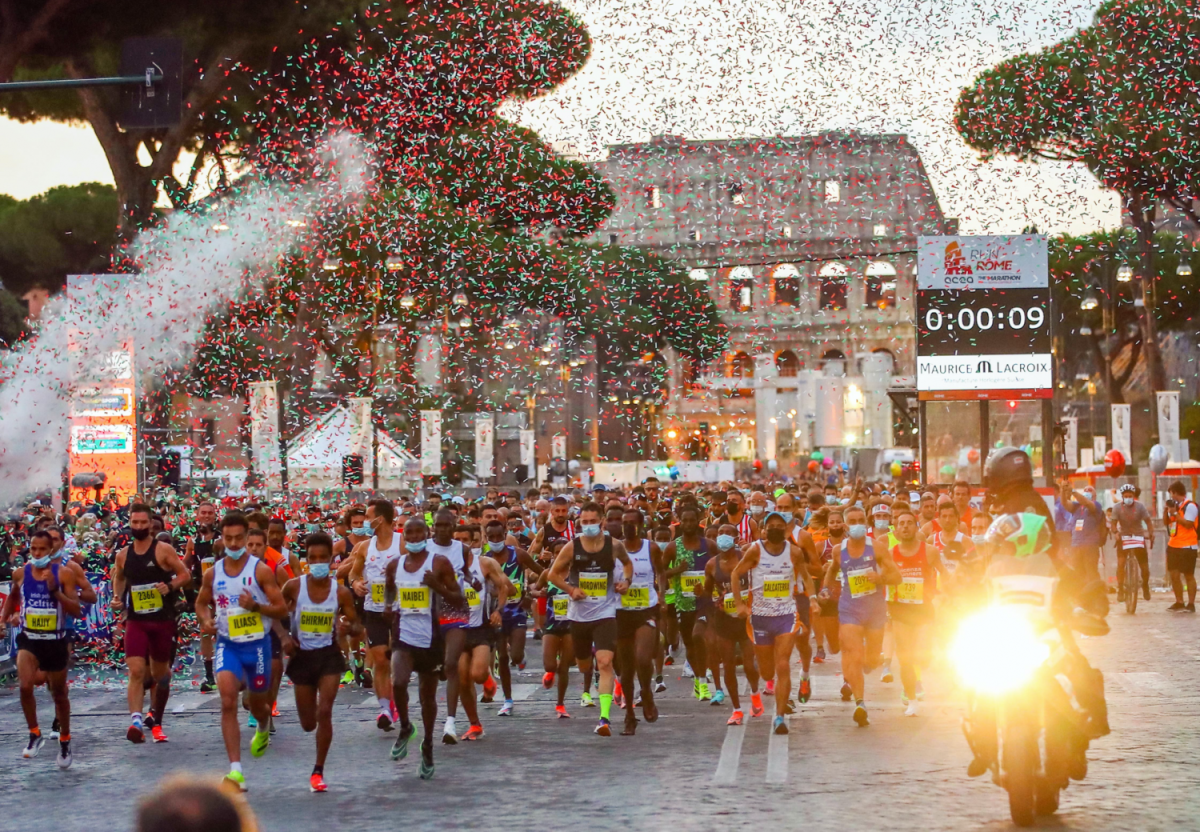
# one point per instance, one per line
(997, 650)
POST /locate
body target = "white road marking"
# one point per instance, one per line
(731, 754)
(186, 702)
(1145, 681)
(777, 755)
(521, 692)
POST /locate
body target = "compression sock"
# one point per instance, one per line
(208, 672)
(605, 704)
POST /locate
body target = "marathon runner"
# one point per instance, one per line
(558, 651)
(370, 561)
(910, 603)
(686, 558)
(354, 647)
(637, 630)
(199, 556)
(453, 614)
(481, 581)
(729, 626)
(516, 564)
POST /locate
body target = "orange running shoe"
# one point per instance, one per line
(561, 710)
(757, 706)
(275, 709)
(548, 679)
(316, 783)
(489, 685)
(135, 735)
(473, 733)
(158, 733)
(736, 718)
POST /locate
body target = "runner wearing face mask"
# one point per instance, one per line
(785, 504)
(728, 626)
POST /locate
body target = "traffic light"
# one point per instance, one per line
(168, 469)
(352, 470)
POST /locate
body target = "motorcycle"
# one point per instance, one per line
(1025, 723)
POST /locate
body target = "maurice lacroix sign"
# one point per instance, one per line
(983, 318)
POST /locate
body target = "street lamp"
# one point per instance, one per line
(1125, 273)
(332, 264)
(460, 299)
(408, 301)
(1184, 269)
(394, 263)
(1090, 301)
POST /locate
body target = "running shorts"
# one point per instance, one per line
(872, 616)
(477, 636)
(513, 618)
(424, 659)
(51, 654)
(153, 640)
(1181, 560)
(307, 667)
(602, 634)
(731, 628)
(767, 628)
(911, 615)
(276, 645)
(376, 627)
(630, 621)
(248, 662)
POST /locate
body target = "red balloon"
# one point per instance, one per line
(813, 465)
(973, 456)
(758, 465)
(1114, 463)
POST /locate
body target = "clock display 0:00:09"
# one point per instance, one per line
(1015, 317)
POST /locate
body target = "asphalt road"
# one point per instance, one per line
(688, 771)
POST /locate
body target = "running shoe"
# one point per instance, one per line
(400, 746)
(819, 657)
(779, 726)
(251, 721)
(860, 716)
(637, 702)
(537, 635)
(425, 771)
(275, 709)
(770, 691)
(53, 729)
(395, 713)
(619, 696)
(208, 686)
(36, 741)
(586, 700)
(347, 679)
(805, 693)
(847, 693)
(705, 694)
(670, 659)
(920, 691)
(603, 728)
(506, 709)
(789, 707)
(473, 733)
(520, 665)
(756, 705)
(158, 733)
(271, 729)
(736, 718)
(659, 685)
(489, 690)
(316, 783)
(886, 676)
(688, 673)
(548, 679)
(149, 722)
(134, 734)
(384, 722)
(258, 745)
(911, 710)
(718, 698)
(561, 710)
(238, 780)
(449, 737)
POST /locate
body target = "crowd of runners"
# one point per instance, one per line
(616, 583)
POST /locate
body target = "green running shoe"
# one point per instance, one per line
(238, 779)
(400, 746)
(348, 677)
(258, 745)
(426, 769)
(587, 701)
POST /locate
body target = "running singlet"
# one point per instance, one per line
(313, 623)
(592, 572)
(688, 585)
(723, 591)
(475, 588)
(375, 566)
(858, 591)
(772, 583)
(641, 594)
(556, 607)
(414, 600)
(234, 623)
(42, 616)
(453, 552)
(515, 573)
(917, 578)
(142, 574)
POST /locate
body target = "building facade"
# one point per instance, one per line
(807, 246)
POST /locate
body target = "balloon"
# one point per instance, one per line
(573, 466)
(1159, 457)
(817, 455)
(1114, 463)
(813, 465)
(827, 462)
(973, 456)
(758, 465)
(772, 465)
(897, 468)
(948, 471)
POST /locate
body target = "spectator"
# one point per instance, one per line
(183, 805)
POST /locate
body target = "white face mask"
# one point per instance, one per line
(757, 509)
(1127, 501)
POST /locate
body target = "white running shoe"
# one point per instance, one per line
(687, 672)
(449, 735)
(35, 745)
(911, 710)
(64, 759)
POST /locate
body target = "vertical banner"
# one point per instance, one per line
(1099, 448)
(485, 434)
(264, 434)
(1071, 443)
(431, 443)
(558, 447)
(1168, 422)
(1121, 414)
(529, 451)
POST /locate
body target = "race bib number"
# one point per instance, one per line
(414, 599)
(317, 623)
(41, 620)
(244, 626)
(729, 605)
(378, 592)
(910, 591)
(776, 588)
(206, 564)
(594, 584)
(472, 596)
(146, 599)
(559, 604)
(518, 592)
(636, 598)
(1079, 525)
(1133, 542)
(689, 583)
(859, 583)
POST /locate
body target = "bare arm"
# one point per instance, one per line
(559, 570)
(627, 576)
(749, 561)
(118, 580)
(275, 606)
(442, 580)
(204, 601)
(888, 571)
(169, 559)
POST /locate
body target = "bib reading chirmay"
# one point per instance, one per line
(859, 583)
(41, 620)
(636, 598)
(594, 584)
(378, 591)
(689, 582)
(146, 598)
(316, 622)
(776, 587)
(244, 626)
(414, 598)
(560, 606)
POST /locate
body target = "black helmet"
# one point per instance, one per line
(1007, 467)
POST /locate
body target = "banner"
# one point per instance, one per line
(1121, 440)
(529, 451)
(1168, 422)
(1071, 443)
(264, 434)
(558, 447)
(485, 434)
(431, 443)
